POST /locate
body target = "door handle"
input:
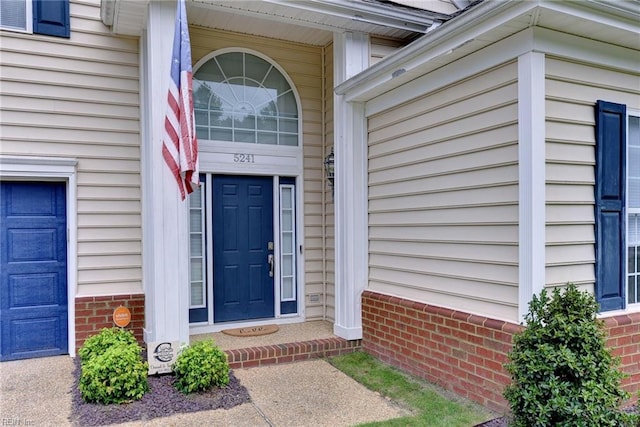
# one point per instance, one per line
(272, 263)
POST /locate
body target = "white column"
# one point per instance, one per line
(531, 153)
(164, 215)
(351, 55)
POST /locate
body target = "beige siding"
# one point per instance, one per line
(443, 196)
(381, 47)
(572, 90)
(303, 64)
(79, 98)
(329, 233)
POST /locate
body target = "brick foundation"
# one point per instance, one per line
(624, 339)
(465, 353)
(95, 313)
(461, 352)
(291, 352)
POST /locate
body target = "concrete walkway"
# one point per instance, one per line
(36, 392)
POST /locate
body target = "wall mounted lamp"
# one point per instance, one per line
(329, 168)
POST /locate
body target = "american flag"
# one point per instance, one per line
(180, 145)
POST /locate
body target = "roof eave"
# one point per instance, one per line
(394, 17)
(405, 64)
(406, 19)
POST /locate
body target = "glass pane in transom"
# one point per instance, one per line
(242, 94)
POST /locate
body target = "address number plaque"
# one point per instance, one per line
(244, 158)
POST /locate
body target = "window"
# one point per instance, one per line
(240, 97)
(617, 198)
(197, 248)
(633, 209)
(15, 15)
(47, 17)
(287, 242)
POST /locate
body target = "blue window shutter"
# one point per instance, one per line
(51, 17)
(610, 204)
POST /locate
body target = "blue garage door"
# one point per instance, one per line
(33, 270)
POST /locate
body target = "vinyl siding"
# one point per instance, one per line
(303, 64)
(443, 196)
(329, 232)
(381, 47)
(79, 98)
(572, 90)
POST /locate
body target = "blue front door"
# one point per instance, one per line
(243, 243)
(33, 270)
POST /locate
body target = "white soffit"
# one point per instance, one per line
(304, 21)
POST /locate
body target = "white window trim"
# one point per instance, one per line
(280, 277)
(27, 168)
(203, 249)
(630, 306)
(28, 20)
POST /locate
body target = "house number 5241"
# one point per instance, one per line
(243, 158)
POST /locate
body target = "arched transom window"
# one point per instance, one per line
(240, 97)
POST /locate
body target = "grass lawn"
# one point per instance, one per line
(430, 405)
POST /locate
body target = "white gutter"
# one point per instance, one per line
(403, 65)
(392, 17)
(461, 4)
(396, 64)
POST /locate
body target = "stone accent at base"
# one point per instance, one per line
(95, 313)
(290, 352)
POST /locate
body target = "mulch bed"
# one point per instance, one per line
(162, 400)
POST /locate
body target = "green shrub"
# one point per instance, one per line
(201, 366)
(106, 338)
(561, 371)
(118, 375)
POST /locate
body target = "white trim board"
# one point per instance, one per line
(490, 22)
(350, 201)
(532, 39)
(531, 170)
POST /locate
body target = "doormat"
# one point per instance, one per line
(253, 331)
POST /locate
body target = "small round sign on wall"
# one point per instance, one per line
(121, 316)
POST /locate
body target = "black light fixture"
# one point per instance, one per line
(329, 168)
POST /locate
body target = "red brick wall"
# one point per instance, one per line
(465, 353)
(95, 313)
(290, 352)
(624, 340)
(461, 352)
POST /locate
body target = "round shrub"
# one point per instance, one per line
(105, 339)
(562, 373)
(118, 375)
(201, 366)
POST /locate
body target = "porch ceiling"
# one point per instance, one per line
(304, 21)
